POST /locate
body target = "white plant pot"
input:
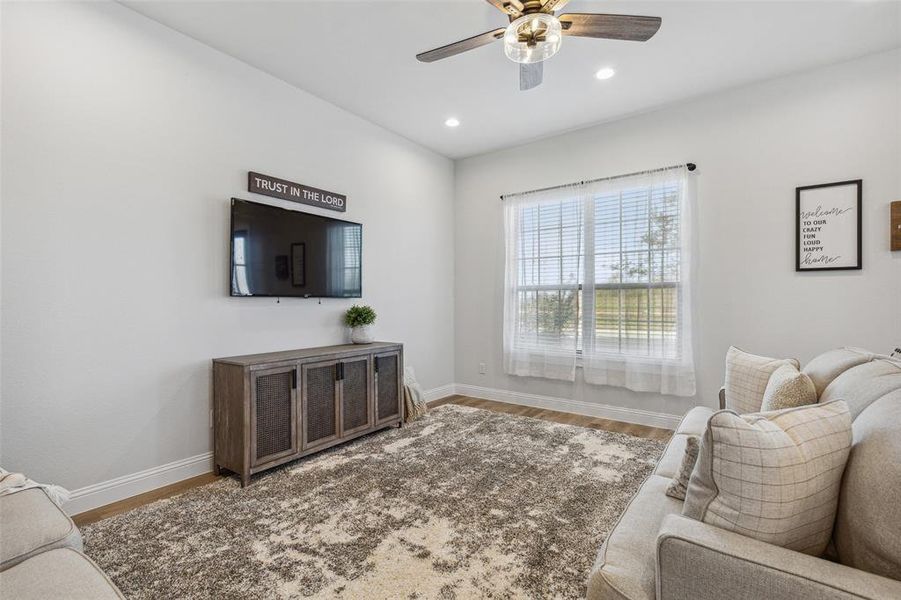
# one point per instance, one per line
(361, 334)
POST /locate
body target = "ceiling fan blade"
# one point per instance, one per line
(511, 8)
(551, 5)
(461, 46)
(530, 75)
(611, 27)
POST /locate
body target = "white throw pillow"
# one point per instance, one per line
(774, 476)
(746, 378)
(787, 388)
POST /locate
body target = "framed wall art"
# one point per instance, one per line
(828, 229)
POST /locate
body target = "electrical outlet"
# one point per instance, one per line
(482, 368)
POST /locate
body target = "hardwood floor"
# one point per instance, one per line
(168, 491)
(96, 514)
(654, 433)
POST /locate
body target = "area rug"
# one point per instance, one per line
(463, 503)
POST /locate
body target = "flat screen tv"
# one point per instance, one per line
(278, 252)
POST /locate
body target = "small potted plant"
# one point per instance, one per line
(360, 320)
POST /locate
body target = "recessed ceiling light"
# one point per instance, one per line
(605, 73)
(452, 122)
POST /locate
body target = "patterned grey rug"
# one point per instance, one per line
(464, 503)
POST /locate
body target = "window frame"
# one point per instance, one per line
(587, 220)
(560, 287)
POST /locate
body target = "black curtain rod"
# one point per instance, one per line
(689, 166)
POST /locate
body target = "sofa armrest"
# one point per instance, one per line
(699, 561)
(723, 398)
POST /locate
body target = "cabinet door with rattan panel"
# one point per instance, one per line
(273, 414)
(319, 388)
(356, 395)
(388, 368)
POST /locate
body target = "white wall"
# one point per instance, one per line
(122, 144)
(123, 141)
(753, 147)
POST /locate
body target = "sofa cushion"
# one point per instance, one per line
(868, 523)
(865, 383)
(671, 459)
(58, 574)
(746, 378)
(824, 368)
(693, 423)
(625, 566)
(32, 523)
(773, 476)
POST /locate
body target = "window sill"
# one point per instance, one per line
(580, 360)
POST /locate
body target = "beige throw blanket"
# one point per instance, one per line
(414, 403)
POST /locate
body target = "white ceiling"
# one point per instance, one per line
(361, 57)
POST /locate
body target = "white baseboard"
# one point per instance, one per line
(440, 392)
(578, 407)
(120, 488)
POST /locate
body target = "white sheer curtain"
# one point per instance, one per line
(637, 293)
(544, 251)
(600, 273)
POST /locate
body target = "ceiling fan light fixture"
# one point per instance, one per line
(533, 38)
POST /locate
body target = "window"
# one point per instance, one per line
(239, 264)
(549, 274)
(345, 243)
(599, 270)
(353, 243)
(636, 264)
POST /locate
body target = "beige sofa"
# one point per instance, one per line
(40, 553)
(655, 552)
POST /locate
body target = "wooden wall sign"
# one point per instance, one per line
(828, 232)
(295, 192)
(896, 225)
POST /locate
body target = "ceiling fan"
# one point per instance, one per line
(535, 34)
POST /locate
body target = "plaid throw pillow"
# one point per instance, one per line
(746, 378)
(773, 476)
